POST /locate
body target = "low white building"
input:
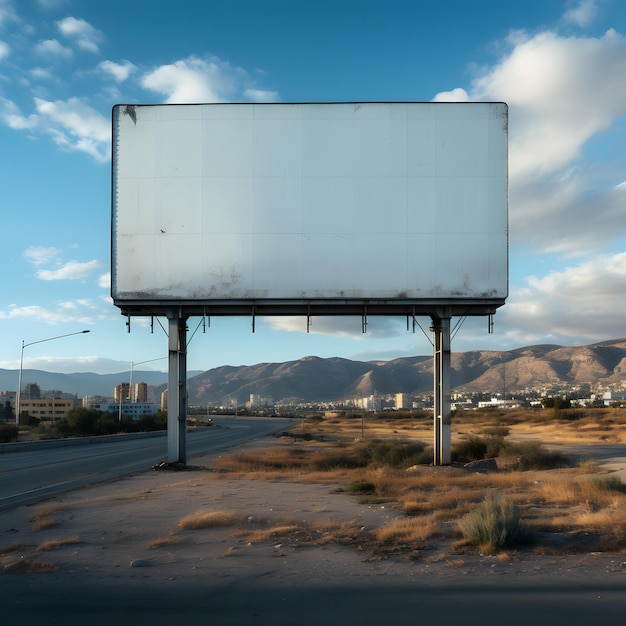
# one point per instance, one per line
(134, 410)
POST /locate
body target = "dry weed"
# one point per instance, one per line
(163, 542)
(210, 519)
(302, 533)
(262, 535)
(56, 544)
(412, 532)
(26, 564)
(44, 517)
(44, 523)
(277, 459)
(13, 547)
(570, 501)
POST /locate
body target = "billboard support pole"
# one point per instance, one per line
(177, 390)
(442, 412)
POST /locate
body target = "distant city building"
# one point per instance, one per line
(371, 403)
(93, 402)
(47, 410)
(7, 396)
(141, 393)
(32, 391)
(463, 404)
(403, 401)
(498, 403)
(257, 400)
(121, 392)
(134, 410)
(164, 401)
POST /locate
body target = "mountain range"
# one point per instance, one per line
(316, 379)
(311, 378)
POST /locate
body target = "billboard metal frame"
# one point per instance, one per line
(440, 308)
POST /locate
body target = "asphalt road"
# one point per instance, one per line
(611, 456)
(338, 600)
(30, 475)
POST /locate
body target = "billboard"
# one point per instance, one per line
(283, 206)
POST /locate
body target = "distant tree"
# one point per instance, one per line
(26, 419)
(80, 422)
(8, 433)
(6, 412)
(152, 422)
(556, 403)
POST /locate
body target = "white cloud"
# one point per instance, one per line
(456, 95)
(4, 50)
(70, 271)
(104, 281)
(196, 80)
(64, 312)
(12, 117)
(39, 255)
(582, 14)
(52, 48)
(260, 95)
(562, 92)
(190, 80)
(86, 36)
(39, 73)
(119, 71)
(75, 126)
(7, 13)
(581, 302)
(340, 326)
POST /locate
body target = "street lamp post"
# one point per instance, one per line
(131, 396)
(19, 382)
(132, 365)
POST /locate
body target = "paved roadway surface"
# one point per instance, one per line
(31, 475)
(612, 456)
(333, 599)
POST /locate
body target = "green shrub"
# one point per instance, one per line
(391, 453)
(8, 433)
(531, 455)
(497, 432)
(494, 524)
(335, 461)
(362, 486)
(473, 449)
(607, 483)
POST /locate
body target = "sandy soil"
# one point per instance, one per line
(105, 568)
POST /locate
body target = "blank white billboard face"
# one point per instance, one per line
(309, 202)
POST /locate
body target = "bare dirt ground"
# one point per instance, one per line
(116, 553)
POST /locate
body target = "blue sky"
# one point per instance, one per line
(560, 66)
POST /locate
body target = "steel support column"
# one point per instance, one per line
(442, 413)
(177, 391)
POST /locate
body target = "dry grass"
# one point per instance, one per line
(13, 547)
(298, 533)
(210, 519)
(23, 564)
(12, 562)
(575, 503)
(415, 533)
(165, 542)
(44, 517)
(56, 544)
